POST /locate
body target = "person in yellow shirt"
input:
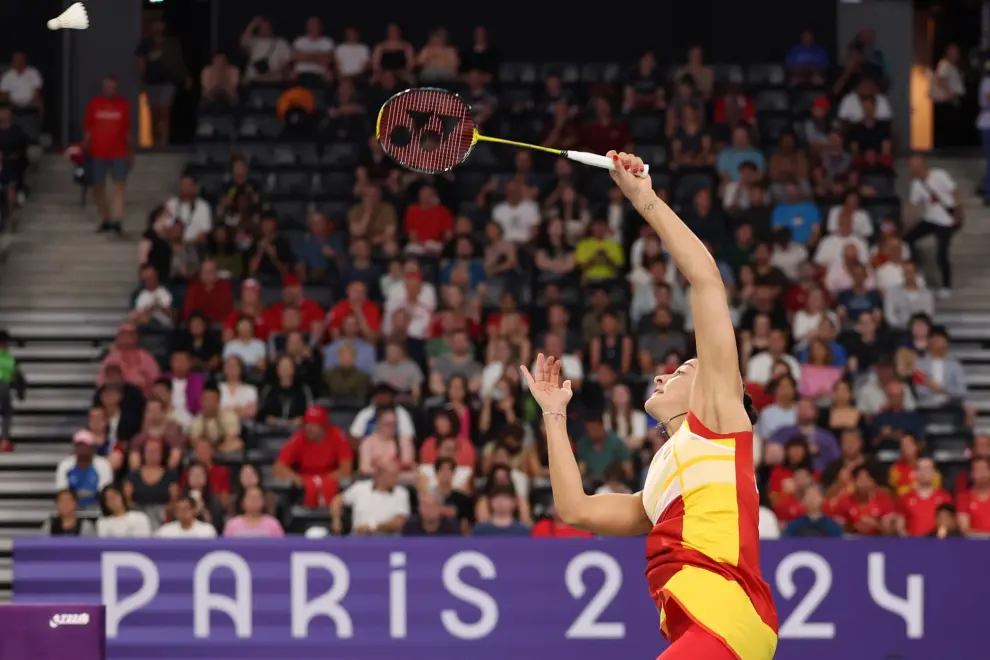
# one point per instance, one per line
(598, 256)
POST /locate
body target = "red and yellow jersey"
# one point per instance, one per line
(703, 554)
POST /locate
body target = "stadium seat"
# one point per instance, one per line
(765, 74)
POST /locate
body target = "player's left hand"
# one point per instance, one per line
(628, 176)
(546, 387)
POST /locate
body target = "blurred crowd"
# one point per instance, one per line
(322, 342)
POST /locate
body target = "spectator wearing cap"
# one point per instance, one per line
(597, 449)
(220, 426)
(379, 506)
(65, 521)
(822, 443)
(502, 521)
(428, 223)
(431, 518)
(285, 398)
(382, 397)
(310, 312)
(740, 151)
(271, 257)
(319, 251)
(209, 295)
(806, 62)
(817, 128)
(153, 303)
(598, 256)
(11, 381)
(250, 307)
(798, 215)
(357, 305)
(84, 472)
(315, 459)
(138, 366)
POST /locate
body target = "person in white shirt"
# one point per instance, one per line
(353, 57)
(268, 55)
(769, 525)
(760, 366)
(154, 302)
(417, 298)
(862, 224)
(518, 217)
(117, 521)
(191, 210)
(832, 247)
(851, 106)
(912, 297)
(934, 192)
(22, 83)
(947, 89)
(313, 53)
(185, 525)
(379, 506)
(383, 396)
(571, 367)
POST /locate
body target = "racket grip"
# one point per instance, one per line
(599, 161)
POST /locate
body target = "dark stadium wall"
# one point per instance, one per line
(23, 28)
(731, 31)
(107, 47)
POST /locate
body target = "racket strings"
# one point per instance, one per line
(427, 130)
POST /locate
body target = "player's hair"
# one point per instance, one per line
(751, 411)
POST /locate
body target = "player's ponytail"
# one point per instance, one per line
(750, 407)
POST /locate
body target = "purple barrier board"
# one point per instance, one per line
(423, 599)
(52, 632)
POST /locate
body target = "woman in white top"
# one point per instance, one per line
(862, 224)
(624, 419)
(463, 479)
(807, 321)
(246, 346)
(947, 88)
(118, 521)
(235, 393)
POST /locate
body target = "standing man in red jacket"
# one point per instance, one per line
(107, 137)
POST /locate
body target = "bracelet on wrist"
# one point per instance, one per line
(554, 413)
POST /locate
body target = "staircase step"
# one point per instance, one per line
(34, 490)
(26, 513)
(55, 375)
(52, 400)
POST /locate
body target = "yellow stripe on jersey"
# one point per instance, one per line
(722, 607)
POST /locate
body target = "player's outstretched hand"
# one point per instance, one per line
(627, 167)
(545, 385)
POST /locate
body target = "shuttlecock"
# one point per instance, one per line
(73, 18)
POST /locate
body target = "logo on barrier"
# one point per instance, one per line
(69, 620)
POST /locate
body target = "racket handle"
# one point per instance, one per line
(599, 161)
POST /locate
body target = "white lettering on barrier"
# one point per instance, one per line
(587, 625)
(797, 626)
(110, 565)
(205, 601)
(397, 601)
(486, 605)
(911, 608)
(328, 604)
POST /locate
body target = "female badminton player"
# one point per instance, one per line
(699, 507)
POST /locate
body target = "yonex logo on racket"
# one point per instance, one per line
(422, 131)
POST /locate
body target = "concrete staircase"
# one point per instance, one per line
(967, 314)
(63, 292)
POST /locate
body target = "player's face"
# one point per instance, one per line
(673, 392)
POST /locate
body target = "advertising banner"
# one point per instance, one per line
(423, 599)
(52, 632)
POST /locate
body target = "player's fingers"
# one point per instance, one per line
(618, 159)
(528, 376)
(541, 371)
(567, 385)
(555, 374)
(635, 164)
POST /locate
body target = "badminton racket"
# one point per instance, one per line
(431, 130)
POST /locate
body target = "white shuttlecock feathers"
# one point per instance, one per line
(73, 18)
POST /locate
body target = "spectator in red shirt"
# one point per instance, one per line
(310, 312)
(555, 528)
(903, 473)
(107, 137)
(210, 295)
(250, 307)
(974, 504)
(867, 510)
(605, 132)
(315, 458)
(981, 449)
(789, 504)
(796, 455)
(356, 304)
(918, 506)
(428, 223)
(733, 107)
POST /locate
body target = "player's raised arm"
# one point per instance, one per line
(611, 514)
(719, 382)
